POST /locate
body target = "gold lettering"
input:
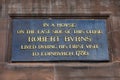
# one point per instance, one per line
(30, 31)
(63, 46)
(82, 53)
(46, 46)
(77, 38)
(93, 46)
(35, 53)
(78, 31)
(65, 53)
(25, 47)
(72, 25)
(43, 39)
(94, 31)
(76, 46)
(57, 31)
(43, 31)
(20, 31)
(45, 25)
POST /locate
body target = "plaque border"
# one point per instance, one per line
(60, 16)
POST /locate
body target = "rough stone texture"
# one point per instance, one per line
(2, 45)
(65, 70)
(22, 73)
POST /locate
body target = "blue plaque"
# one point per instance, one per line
(59, 40)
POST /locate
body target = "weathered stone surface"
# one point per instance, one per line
(3, 41)
(4, 24)
(117, 69)
(103, 71)
(115, 25)
(116, 46)
(27, 74)
(3, 9)
(73, 78)
(1, 1)
(61, 71)
(59, 6)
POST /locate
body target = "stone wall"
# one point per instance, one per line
(61, 70)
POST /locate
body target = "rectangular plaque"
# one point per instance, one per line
(59, 40)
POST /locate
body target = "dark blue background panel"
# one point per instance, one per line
(59, 40)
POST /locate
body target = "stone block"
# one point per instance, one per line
(27, 74)
(4, 24)
(116, 69)
(3, 47)
(116, 46)
(66, 73)
(115, 23)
